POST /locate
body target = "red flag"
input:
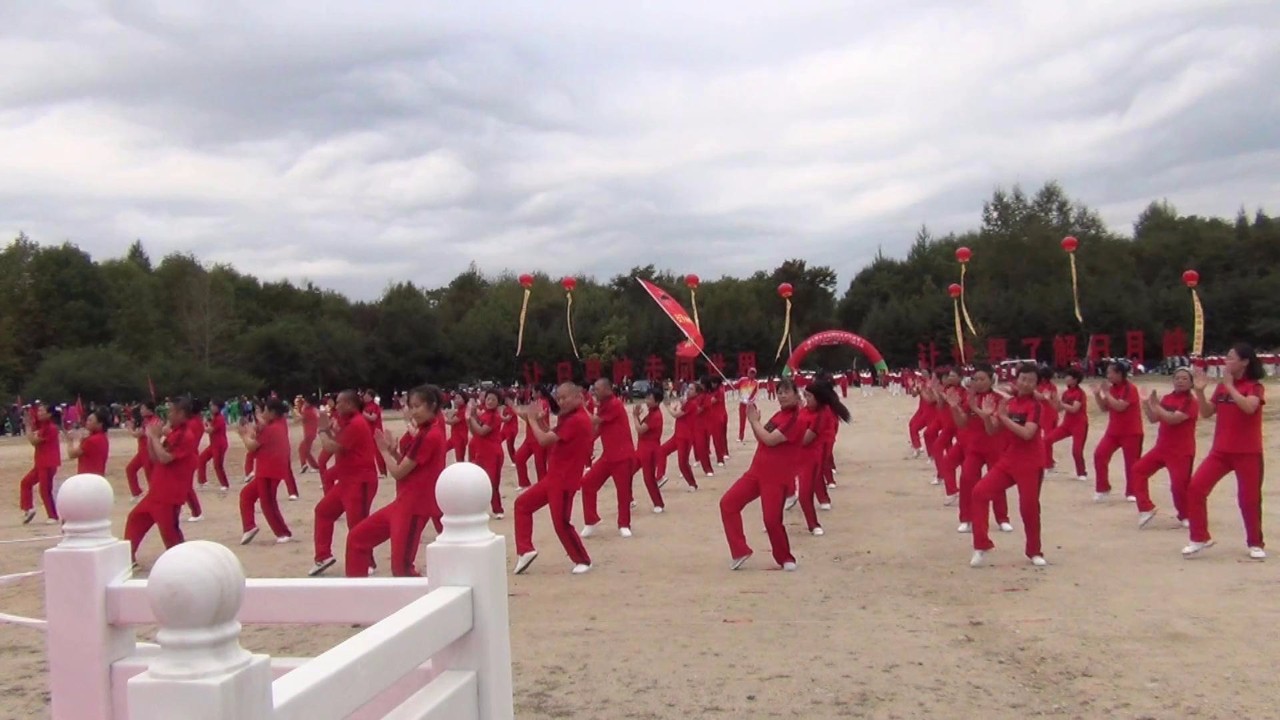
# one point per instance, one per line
(669, 305)
(152, 386)
(79, 409)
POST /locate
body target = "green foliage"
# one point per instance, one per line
(100, 374)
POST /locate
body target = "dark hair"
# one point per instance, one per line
(216, 403)
(277, 406)
(984, 368)
(494, 392)
(182, 405)
(786, 384)
(1028, 368)
(1119, 366)
(1045, 372)
(545, 392)
(103, 415)
(826, 396)
(1253, 364)
(430, 395)
(656, 392)
(1076, 373)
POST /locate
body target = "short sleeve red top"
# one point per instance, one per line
(1018, 453)
(427, 450)
(354, 461)
(374, 409)
(489, 419)
(1128, 422)
(218, 431)
(94, 450)
(1235, 431)
(171, 481)
(809, 420)
(1179, 440)
(974, 433)
(778, 460)
(568, 457)
(615, 431)
(1071, 396)
(310, 421)
(48, 452)
(652, 436)
(684, 423)
(272, 459)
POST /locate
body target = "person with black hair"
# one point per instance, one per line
(484, 421)
(217, 449)
(456, 419)
(530, 448)
(617, 461)
(1074, 404)
(1237, 447)
(1124, 430)
(144, 415)
(702, 422)
(1175, 447)
(681, 440)
(718, 421)
(979, 433)
(89, 445)
(354, 476)
(923, 415)
(830, 413)
(173, 453)
(42, 433)
(372, 410)
(1047, 394)
(821, 406)
(310, 428)
(271, 444)
(648, 419)
(196, 430)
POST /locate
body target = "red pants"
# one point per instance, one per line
(647, 459)
(941, 444)
(810, 481)
(148, 512)
(291, 482)
(44, 478)
(459, 447)
(1050, 424)
(742, 421)
(530, 448)
(1078, 433)
(139, 462)
(949, 462)
(622, 472)
(1131, 445)
(561, 503)
(998, 480)
(263, 491)
(681, 447)
(250, 459)
(489, 456)
(1179, 478)
(915, 426)
(931, 432)
(351, 498)
(305, 458)
(326, 480)
(396, 522)
(772, 492)
(826, 470)
(509, 439)
(193, 502)
(217, 453)
(1248, 470)
(970, 474)
(720, 437)
(702, 447)
(378, 461)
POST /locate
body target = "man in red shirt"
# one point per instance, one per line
(272, 466)
(173, 456)
(89, 446)
(1021, 464)
(617, 461)
(570, 448)
(195, 428)
(354, 475)
(1175, 447)
(42, 433)
(373, 414)
(747, 389)
(310, 427)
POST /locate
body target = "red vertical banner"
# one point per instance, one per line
(1175, 342)
(593, 369)
(746, 363)
(532, 372)
(1099, 347)
(997, 350)
(654, 368)
(1135, 349)
(564, 371)
(684, 369)
(622, 371)
(1065, 353)
(1032, 347)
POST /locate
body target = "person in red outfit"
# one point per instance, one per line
(931, 391)
(417, 468)
(1021, 463)
(1237, 447)
(195, 428)
(951, 457)
(1175, 447)
(946, 435)
(173, 452)
(271, 443)
(141, 460)
(570, 445)
(681, 440)
(373, 414)
(821, 406)
(983, 439)
(217, 450)
(771, 472)
(617, 461)
(456, 419)
(530, 448)
(43, 436)
(90, 446)
(920, 420)
(648, 418)
(310, 428)
(719, 421)
(702, 422)
(1047, 394)
(485, 424)
(748, 388)
(1124, 429)
(354, 476)
(1074, 404)
(510, 426)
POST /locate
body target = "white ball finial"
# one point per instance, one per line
(463, 493)
(84, 504)
(195, 590)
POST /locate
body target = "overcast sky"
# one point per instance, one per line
(357, 143)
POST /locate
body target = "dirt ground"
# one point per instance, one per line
(884, 618)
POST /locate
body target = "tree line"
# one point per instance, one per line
(111, 329)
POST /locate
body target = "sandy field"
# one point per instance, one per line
(884, 618)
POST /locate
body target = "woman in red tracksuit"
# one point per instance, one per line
(981, 436)
(949, 461)
(217, 450)
(270, 443)
(1047, 394)
(1074, 404)
(920, 420)
(485, 450)
(1175, 447)
(771, 473)
(1124, 430)
(510, 427)
(702, 421)
(1237, 447)
(91, 448)
(142, 459)
(681, 441)
(648, 420)
(530, 448)
(460, 427)
(819, 415)
(931, 389)
(719, 422)
(42, 433)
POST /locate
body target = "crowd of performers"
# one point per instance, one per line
(984, 440)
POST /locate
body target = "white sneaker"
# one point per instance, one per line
(321, 566)
(624, 532)
(1144, 518)
(1131, 498)
(1185, 523)
(28, 516)
(964, 528)
(1257, 553)
(711, 474)
(1039, 561)
(1101, 496)
(936, 481)
(791, 502)
(587, 531)
(524, 561)
(52, 521)
(248, 536)
(1082, 478)
(284, 539)
(818, 531)
(293, 498)
(195, 518)
(693, 488)
(824, 506)
(223, 489)
(720, 463)
(738, 562)
(789, 566)
(952, 499)
(633, 504)
(1194, 548)
(248, 478)
(979, 558)
(580, 568)
(658, 510)
(498, 516)
(1006, 527)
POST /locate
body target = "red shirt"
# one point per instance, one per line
(1018, 453)
(374, 409)
(489, 419)
(170, 482)
(718, 409)
(195, 426)
(1048, 412)
(461, 430)
(94, 450)
(699, 405)
(272, 458)
(48, 452)
(310, 422)
(653, 435)
(218, 431)
(684, 423)
(1179, 440)
(1236, 432)
(427, 450)
(615, 431)
(811, 453)
(510, 425)
(1073, 395)
(568, 456)
(1127, 422)
(354, 461)
(827, 424)
(778, 460)
(973, 434)
(945, 419)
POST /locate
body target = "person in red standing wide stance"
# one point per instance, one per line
(771, 473)
(922, 417)
(310, 428)
(90, 446)
(719, 421)
(354, 476)
(1124, 430)
(983, 439)
(681, 440)
(456, 419)
(417, 469)
(217, 450)
(530, 448)
(1047, 394)
(702, 422)
(273, 458)
(820, 408)
(748, 387)
(141, 461)
(1175, 447)
(570, 445)
(649, 422)
(1074, 404)
(195, 429)
(1021, 464)
(617, 461)
(43, 436)
(373, 414)
(485, 450)
(173, 456)
(510, 425)
(1237, 447)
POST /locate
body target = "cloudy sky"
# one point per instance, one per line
(356, 143)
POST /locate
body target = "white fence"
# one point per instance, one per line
(438, 646)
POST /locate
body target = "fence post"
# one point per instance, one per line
(81, 642)
(468, 554)
(200, 672)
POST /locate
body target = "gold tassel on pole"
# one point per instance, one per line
(784, 291)
(526, 282)
(963, 309)
(569, 283)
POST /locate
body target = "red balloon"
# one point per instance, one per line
(963, 254)
(784, 290)
(1191, 278)
(1070, 243)
(954, 290)
(526, 281)
(569, 283)
(692, 281)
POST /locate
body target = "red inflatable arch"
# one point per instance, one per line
(837, 337)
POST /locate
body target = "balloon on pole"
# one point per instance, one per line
(526, 282)
(1191, 279)
(569, 283)
(785, 291)
(692, 282)
(963, 255)
(1070, 244)
(956, 292)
